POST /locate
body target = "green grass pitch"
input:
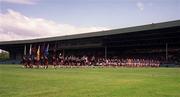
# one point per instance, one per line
(16, 81)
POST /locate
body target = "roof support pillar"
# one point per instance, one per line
(166, 51)
(105, 52)
(63, 53)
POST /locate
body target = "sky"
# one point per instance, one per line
(29, 19)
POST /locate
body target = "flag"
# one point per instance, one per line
(38, 53)
(24, 49)
(46, 51)
(30, 49)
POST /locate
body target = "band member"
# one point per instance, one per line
(66, 61)
(29, 63)
(54, 61)
(86, 60)
(36, 62)
(46, 62)
(83, 60)
(93, 60)
(78, 61)
(24, 62)
(42, 61)
(57, 61)
(61, 60)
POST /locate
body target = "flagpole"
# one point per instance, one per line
(30, 49)
(24, 49)
(38, 53)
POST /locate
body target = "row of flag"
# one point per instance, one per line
(41, 50)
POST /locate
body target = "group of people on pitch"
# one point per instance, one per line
(75, 61)
(128, 62)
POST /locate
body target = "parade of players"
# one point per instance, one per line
(40, 57)
(73, 61)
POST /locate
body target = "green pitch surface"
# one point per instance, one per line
(16, 81)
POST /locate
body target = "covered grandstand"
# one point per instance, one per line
(160, 40)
